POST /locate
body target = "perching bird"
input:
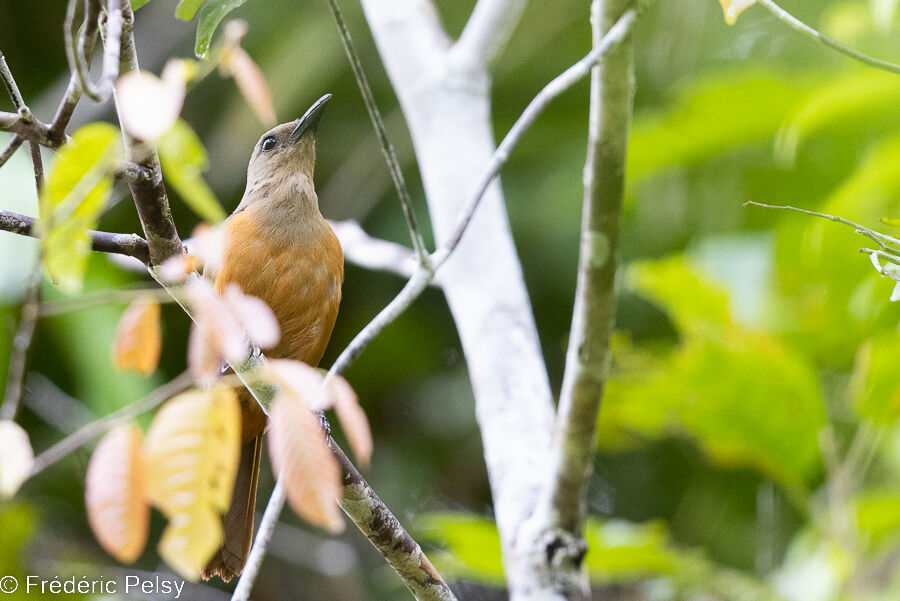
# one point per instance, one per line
(278, 247)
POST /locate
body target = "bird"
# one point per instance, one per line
(278, 247)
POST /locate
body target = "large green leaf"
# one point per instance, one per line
(865, 94)
(210, 17)
(183, 160)
(745, 398)
(136, 4)
(712, 115)
(75, 194)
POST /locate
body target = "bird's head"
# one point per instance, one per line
(288, 149)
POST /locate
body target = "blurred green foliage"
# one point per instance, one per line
(749, 442)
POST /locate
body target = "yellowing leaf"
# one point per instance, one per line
(733, 9)
(353, 419)
(190, 540)
(115, 494)
(192, 451)
(138, 340)
(309, 472)
(183, 160)
(75, 194)
(149, 105)
(16, 458)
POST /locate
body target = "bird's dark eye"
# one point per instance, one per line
(269, 144)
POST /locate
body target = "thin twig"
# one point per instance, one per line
(130, 245)
(10, 83)
(799, 26)
(15, 378)
(95, 428)
(387, 149)
(11, 148)
(77, 50)
(100, 298)
(886, 242)
(548, 94)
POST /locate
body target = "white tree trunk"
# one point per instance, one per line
(444, 94)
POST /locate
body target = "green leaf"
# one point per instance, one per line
(746, 399)
(186, 9)
(210, 17)
(864, 94)
(875, 384)
(711, 116)
(891, 221)
(183, 160)
(471, 545)
(136, 4)
(620, 551)
(73, 198)
(878, 516)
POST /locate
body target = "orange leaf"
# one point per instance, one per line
(309, 472)
(352, 418)
(115, 494)
(16, 458)
(250, 81)
(138, 337)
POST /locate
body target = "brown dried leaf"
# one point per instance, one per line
(309, 472)
(192, 451)
(299, 382)
(253, 315)
(251, 82)
(353, 419)
(138, 341)
(16, 458)
(115, 494)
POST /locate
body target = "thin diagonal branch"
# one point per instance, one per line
(615, 36)
(801, 27)
(11, 149)
(130, 245)
(10, 83)
(95, 428)
(387, 149)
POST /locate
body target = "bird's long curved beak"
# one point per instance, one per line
(310, 119)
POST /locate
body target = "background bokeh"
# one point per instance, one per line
(756, 348)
